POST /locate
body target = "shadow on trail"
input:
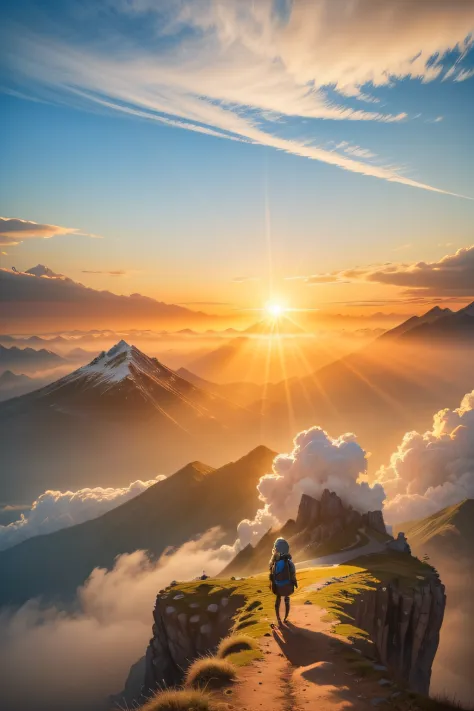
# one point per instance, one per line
(321, 673)
(302, 646)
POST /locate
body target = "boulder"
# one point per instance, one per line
(400, 544)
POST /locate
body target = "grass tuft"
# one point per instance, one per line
(210, 673)
(235, 643)
(181, 700)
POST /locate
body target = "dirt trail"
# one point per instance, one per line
(302, 669)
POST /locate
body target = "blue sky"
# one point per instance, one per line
(207, 141)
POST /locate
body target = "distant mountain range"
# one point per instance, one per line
(169, 513)
(28, 359)
(136, 414)
(282, 326)
(12, 385)
(436, 324)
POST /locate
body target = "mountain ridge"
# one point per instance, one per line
(184, 505)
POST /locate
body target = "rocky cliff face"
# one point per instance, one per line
(320, 521)
(405, 627)
(185, 627)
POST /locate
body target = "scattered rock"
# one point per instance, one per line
(194, 619)
(225, 601)
(170, 609)
(179, 596)
(205, 629)
(308, 602)
(384, 682)
(194, 605)
(212, 607)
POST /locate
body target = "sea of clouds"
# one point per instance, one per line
(53, 657)
(60, 509)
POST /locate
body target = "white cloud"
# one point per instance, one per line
(60, 509)
(317, 462)
(51, 654)
(222, 68)
(13, 230)
(432, 470)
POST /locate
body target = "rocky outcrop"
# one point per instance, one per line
(404, 625)
(400, 544)
(186, 627)
(320, 521)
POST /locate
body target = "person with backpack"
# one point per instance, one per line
(282, 576)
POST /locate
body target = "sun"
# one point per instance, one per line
(274, 310)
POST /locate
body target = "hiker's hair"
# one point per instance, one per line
(280, 547)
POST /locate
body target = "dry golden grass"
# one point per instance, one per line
(210, 673)
(235, 643)
(181, 700)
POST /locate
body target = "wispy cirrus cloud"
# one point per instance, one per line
(226, 68)
(13, 230)
(452, 275)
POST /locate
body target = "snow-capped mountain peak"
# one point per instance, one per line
(115, 364)
(125, 369)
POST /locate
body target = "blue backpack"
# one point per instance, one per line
(282, 579)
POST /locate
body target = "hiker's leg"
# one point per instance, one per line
(287, 608)
(277, 607)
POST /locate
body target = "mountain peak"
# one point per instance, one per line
(120, 347)
(42, 271)
(469, 309)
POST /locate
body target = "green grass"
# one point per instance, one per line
(406, 570)
(185, 700)
(210, 673)
(254, 601)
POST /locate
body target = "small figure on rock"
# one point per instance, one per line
(203, 576)
(282, 576)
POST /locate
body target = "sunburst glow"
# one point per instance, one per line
(274, 310)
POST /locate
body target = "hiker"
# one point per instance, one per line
(282, 576)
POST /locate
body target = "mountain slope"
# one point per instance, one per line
(240, 393)
(447, 532)
(429, 317)
(167, 514)
(379, 392)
